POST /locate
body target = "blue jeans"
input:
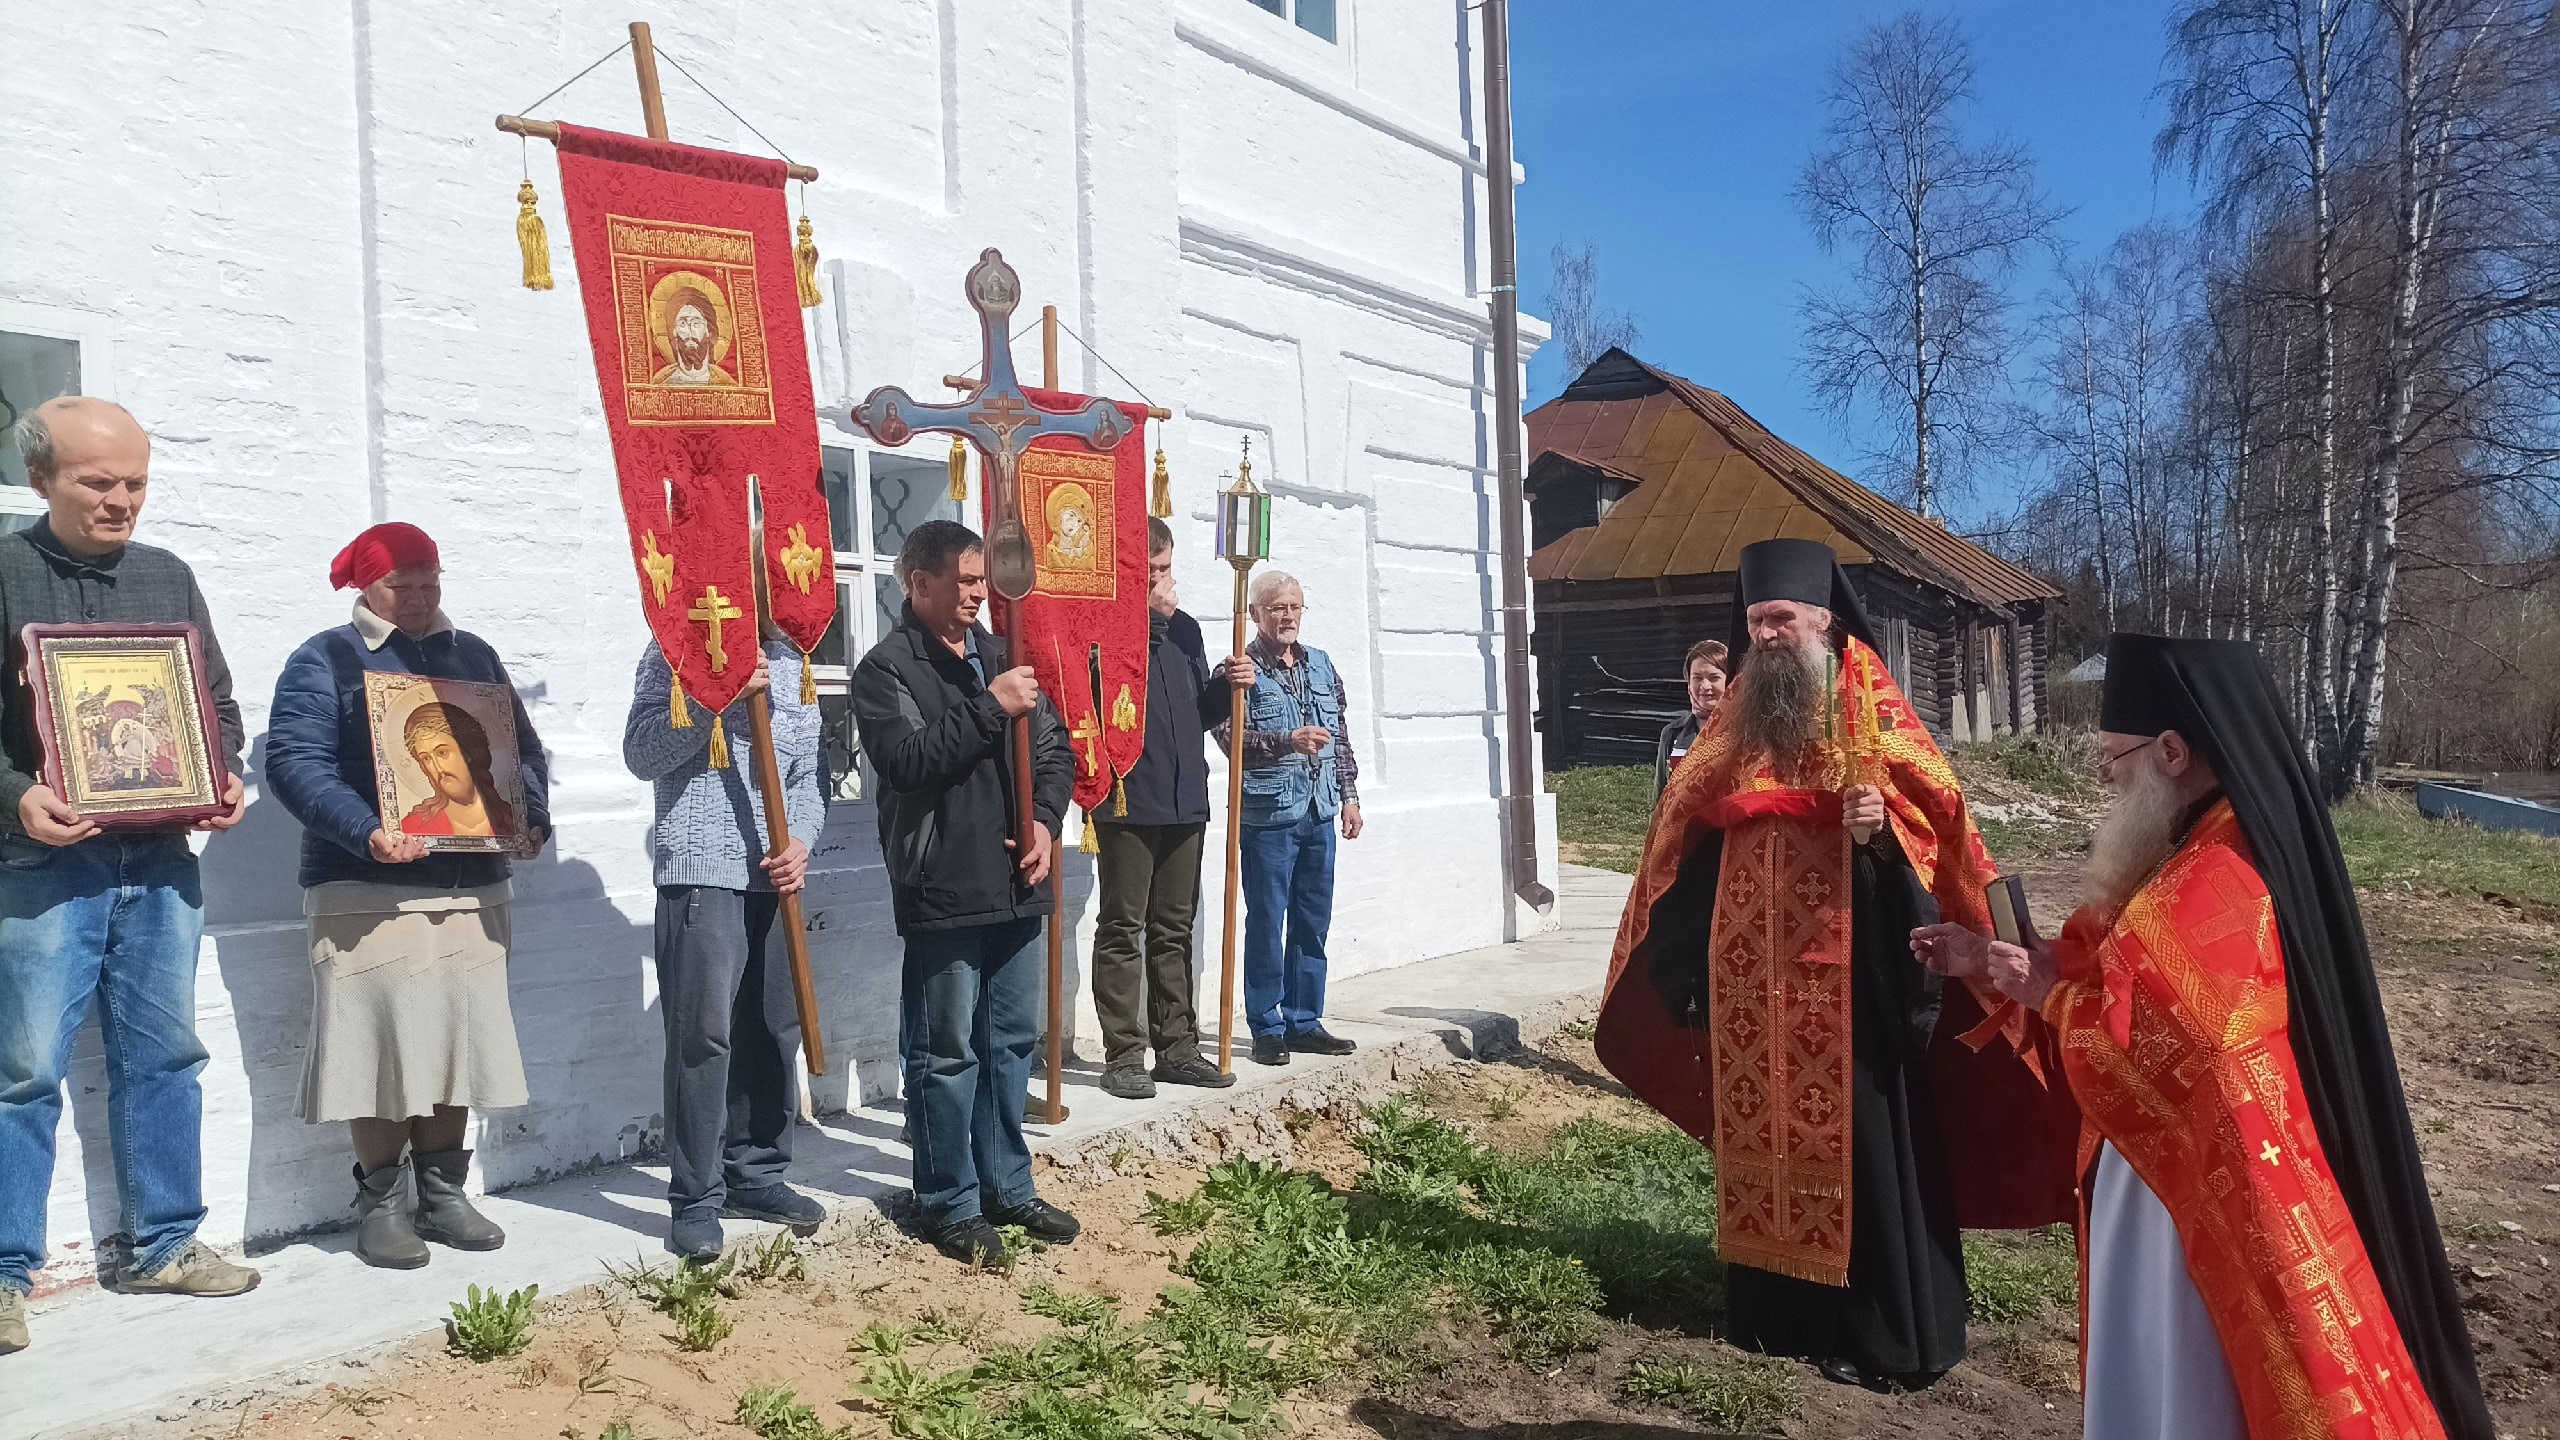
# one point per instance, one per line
(1288, 907)
(117, 918)
(968, 1017)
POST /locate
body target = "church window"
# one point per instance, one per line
(875, 499)
(34, 368)
(1316, 17)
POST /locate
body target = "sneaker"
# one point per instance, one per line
(13, 1320)
(194, 1270)
(1040, 1220)
(1270, 1050)
(1193, 1070)
(973, 1242)
(1128, 1080)
(778, 1203)
(1316, 1040)
(696, 1236)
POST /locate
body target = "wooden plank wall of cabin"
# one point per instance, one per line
(1912, 622)
(2036, 624)
(1612, 666)
(1999, 691)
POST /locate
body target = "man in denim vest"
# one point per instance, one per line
(1299, 780)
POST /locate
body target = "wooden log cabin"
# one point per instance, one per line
(1644, 488)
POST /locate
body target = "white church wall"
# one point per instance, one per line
(292, 228)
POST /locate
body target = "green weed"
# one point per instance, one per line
(777, 1258)
(1178, 1217)
(486, 1326)
(775, 1413)
(700, 1325)
(1748, 1395)
(2015, 1277)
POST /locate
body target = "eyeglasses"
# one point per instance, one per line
(2108, 763)
(1284, 609)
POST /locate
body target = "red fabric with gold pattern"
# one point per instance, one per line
(693, 312)
(1086, 512)
(2174, 1036)
(1764, 1093)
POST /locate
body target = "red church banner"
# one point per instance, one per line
(1085, 620)
(693, 310)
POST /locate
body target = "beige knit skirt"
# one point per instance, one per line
(409, 1011)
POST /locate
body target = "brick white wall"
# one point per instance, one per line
(293, 225)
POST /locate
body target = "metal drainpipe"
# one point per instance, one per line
(1520, 797)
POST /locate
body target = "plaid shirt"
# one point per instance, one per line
(42, 583)
(1266, 748)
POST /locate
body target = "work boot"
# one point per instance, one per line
(1317, 1040)
(194, 1270)
(1128, 1080)
(386, 1224)
(779, 1204)
(695, 1235)
(1040, 1220)
(1270, 1050)
(1193, 1070)
(445, 1214)
(13, 1320)
(974, 1243)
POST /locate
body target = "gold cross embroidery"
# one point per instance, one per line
(1089, 731)
(800, 559)
(659, 565)
(713, 609)
(2268, 1152)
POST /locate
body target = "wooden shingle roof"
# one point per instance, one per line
(1712, 480)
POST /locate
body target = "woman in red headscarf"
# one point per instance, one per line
(410, 1024)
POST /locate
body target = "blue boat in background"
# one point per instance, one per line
(2491, 812)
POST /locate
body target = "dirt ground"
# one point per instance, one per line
(2470, 986)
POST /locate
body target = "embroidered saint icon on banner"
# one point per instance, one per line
(691, 329)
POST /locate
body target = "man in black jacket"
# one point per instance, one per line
(933, 701)
(1150, 863)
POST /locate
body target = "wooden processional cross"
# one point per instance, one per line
(1000, 420)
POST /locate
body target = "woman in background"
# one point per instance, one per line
(1704, 672)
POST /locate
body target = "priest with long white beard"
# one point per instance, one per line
(2261, 1256)
(1762, 995)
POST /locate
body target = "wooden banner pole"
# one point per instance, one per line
(1057, 847)
(1235, 841)
(768, 764)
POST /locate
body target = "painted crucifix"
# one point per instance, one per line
(999, 419)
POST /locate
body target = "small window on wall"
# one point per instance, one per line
(875, 499)
(33, 369)
(1313, 16)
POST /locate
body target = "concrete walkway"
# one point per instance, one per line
(103, 1361)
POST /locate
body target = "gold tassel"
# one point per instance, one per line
(531, 238)
(678, 716)
(959, 468)
(1091, 844)
(719, 745)
(808, 680)
(805, 260)
(1160, 502)
(1120, 797)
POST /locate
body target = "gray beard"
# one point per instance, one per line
(2139, 832)
(1778, 702)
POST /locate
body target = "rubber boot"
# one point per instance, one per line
(444, 1212)
(385, 1235)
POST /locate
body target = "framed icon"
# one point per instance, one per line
(445, 764)
(127, 721)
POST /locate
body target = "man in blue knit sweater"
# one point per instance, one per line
(724, 985)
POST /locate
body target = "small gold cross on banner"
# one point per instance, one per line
(1089, 730)
(713, 609)
(2268, 1152)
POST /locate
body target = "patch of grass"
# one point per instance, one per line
(700, 1325)
(2015, 1277)
(1178, 1217)
(2063, 764)
(775, 1413)
(487, 1326)
(1603, 811)
(2389, 845)
(1746, 1395)
(777, 1258)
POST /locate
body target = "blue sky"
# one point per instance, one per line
(1669, 132)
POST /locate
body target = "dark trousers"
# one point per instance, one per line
(968, 1017)
(1288, 907)
(1150, 890)
(732, 1025)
